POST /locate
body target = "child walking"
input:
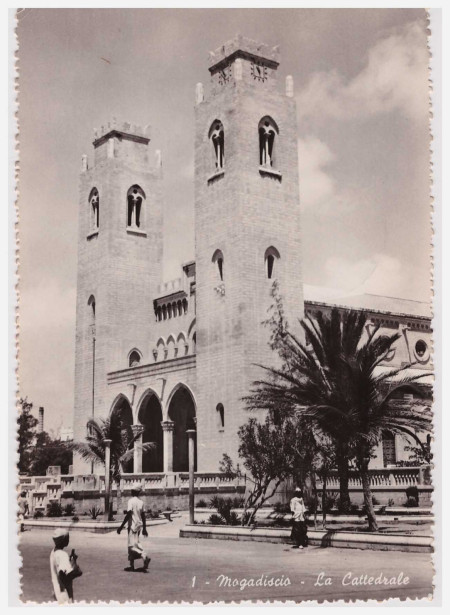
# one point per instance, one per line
(135, 518)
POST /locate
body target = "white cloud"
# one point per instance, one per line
(316, 185)
(379, 274)
(318, 188)
(393, 78)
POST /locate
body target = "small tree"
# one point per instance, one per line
(267, 450)
(25, 434)
(121, 447)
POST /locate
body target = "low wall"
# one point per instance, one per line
(324, 538)
(159, 491)
(162, 491)
(96, 527)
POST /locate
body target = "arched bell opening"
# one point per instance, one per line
(150, 416)
(122, 419)
(182, 413)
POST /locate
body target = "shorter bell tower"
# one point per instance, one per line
(119, 262)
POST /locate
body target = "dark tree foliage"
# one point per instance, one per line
(25, 434)
(48, 452)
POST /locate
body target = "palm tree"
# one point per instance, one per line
(334, 381)
(100, 432)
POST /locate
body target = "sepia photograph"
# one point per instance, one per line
(225, 374)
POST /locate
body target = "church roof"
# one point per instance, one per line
(367, 301)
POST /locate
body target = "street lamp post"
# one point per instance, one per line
(191, 436)
(107, 477)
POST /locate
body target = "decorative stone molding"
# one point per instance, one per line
(269, 172)
(168, 426)
(137, 429)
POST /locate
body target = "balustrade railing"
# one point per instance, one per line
(42, 489)
(382, 477)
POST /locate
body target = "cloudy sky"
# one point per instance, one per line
(362, 97)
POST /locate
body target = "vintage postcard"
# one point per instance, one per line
(225, 342)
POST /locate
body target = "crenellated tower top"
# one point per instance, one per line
(243, 60)
(123, 130)
(244, 48)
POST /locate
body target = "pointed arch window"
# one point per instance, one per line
(135, 199)
(216, 134)
(220, 416)
(268, 132)
(91, 315)
(218, 260)
(271, 258)
(94, 203)
(134, 358)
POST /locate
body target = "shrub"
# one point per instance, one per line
(330, 501)
(281, 508)
(391, 502)
(69, 510)
(54, 509)
(238, 501)
(375, 502)
(152, 514)
(246, 518)
(412, 493)
(75, 518)
(94, 512)
(202, 504)
(233, 519)
(411, 502)
(38, 514)
(311, 503)
(224, 507)
(214, 502)
(216, 520)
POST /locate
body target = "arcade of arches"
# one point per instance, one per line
(170, 450)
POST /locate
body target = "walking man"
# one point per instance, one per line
(135, 518)
(63, 567)
(299, 527)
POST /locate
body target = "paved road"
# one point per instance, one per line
(190, 570)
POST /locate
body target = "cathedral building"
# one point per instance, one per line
(165, 357)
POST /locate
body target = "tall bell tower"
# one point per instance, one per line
(248, 232)
(119, 263)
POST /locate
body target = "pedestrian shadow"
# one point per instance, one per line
(327, 538)
(130, 569)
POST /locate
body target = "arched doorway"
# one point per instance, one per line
(122, 417)
(150, 416)
(182, 413)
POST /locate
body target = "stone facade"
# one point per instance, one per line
(171, 356)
